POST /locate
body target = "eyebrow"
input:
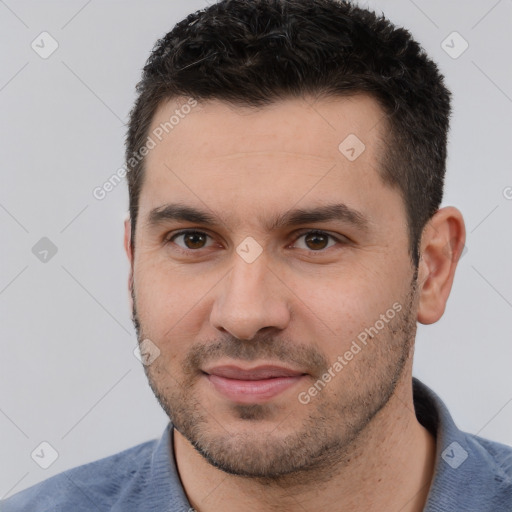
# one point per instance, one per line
(338, 212)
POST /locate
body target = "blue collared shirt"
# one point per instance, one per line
(472, 474)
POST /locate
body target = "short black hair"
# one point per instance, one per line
(256, 52)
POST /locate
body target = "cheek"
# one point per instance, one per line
(343, 303)
(170, 304)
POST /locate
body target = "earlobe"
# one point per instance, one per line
(442, 244)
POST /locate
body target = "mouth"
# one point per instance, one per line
(252, 385)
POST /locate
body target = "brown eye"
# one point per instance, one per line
(316, 240)
(192, 240)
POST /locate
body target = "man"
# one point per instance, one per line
(286, 162)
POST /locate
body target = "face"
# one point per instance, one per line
(283, 309)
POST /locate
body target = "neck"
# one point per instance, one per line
(388, 467)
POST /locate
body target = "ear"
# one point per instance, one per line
(442, 243)
(128, 250)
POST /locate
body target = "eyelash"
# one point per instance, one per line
(298, 235)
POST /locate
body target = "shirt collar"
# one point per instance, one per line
(469, 471)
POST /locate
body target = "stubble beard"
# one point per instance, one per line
(323, 440)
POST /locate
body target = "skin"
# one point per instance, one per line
(356, 445)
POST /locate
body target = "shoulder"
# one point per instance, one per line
(495, 456)
(484, 477)
(93, 486)
(471, 472)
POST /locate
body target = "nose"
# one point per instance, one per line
(250, 298)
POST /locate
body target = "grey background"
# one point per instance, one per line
(68, 373)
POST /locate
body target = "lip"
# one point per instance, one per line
(252, 385)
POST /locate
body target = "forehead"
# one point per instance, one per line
(221, 156)
(216, 129)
